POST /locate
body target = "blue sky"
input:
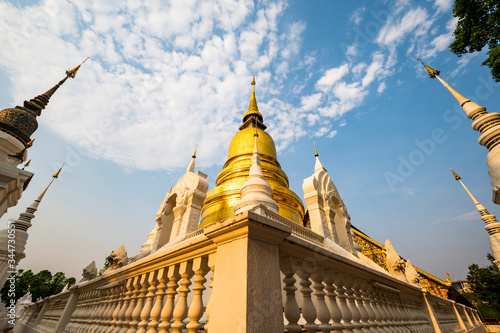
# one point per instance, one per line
(165, 76)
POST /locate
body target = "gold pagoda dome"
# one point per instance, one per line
(220, 201)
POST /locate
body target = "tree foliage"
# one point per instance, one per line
(42, 284)
(478, 26)
(485, 284)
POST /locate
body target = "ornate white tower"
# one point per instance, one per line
(492, 225)
(13, 239)
(488, 124)
(16, 127)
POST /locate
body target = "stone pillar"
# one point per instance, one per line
(246, 295)
(67, 312)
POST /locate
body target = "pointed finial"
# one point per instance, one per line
(72, 72)
(432, 72)
(171, 185)
(457, 177)
(194, 154)
(20, 154)
(315, 151)
(56, 175)
(253, 109)
(26, 164)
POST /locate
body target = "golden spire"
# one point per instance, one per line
(432, 72)
(56, 175)
(253, 109)
(457, 177)
(72, 72)
(171, 185)
(315, 151)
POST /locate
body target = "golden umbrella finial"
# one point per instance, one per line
(457, 177)
(56, 175)
(432, 72)
(315, 151)
(72, 72)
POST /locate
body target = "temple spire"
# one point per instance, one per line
(318, 166)
(39, 103)
(253, 109)
(488, 124)
(492, 226)
(24, 220)
(479, 207)
(191, 165)
(20, 122)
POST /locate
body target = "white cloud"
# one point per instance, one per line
(381, 88)
(357, 16)
(310, 102)
(392, 33)
(332, 76)
(443, 5)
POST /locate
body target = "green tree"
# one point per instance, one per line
(478, 26)
(485, 285)
(42, 284)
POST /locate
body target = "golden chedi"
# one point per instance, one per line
(220, 201)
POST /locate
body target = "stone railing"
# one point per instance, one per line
(270, 278)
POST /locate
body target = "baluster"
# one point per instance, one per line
(323, 313)
(117, 305)
(211, 264)
(366, 310)
(376, 317)
(158, 304)
(181, 308)
(292, 312)
(351, 303)
(332, 302)
(148, 305)
(392, 317)
(141, 294)
(308, 310)
(384, 323)
(363, 312)
(81, 311)
(340, 279)
(134, 289)
(104, 310)
(168, 307)
(94, 307)
(121, 322)
(200, 268)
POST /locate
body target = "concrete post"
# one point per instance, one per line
(67, 312)
(246, 295)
